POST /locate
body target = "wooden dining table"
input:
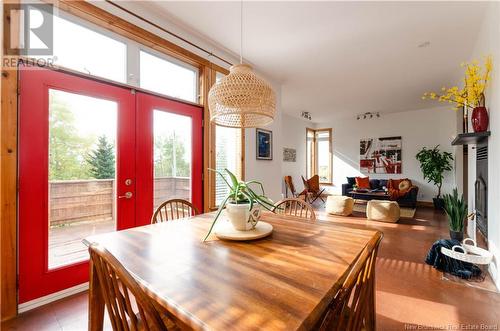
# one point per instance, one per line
(282, 282)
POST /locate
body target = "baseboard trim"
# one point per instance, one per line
(425, 204)
(24, 307)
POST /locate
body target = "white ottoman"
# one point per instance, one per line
(383, 211)
(339, 205)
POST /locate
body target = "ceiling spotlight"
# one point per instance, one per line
(306, 115)
(368, 115)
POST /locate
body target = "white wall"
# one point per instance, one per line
(427, 127)
(293, 135)
(268, 172)
(489, 44)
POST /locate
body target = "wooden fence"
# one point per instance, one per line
(93, 200)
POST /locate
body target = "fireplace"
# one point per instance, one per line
(480, 140)
(481, 188)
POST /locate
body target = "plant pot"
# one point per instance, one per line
(480, 119)
(241, 217)
(438, 203)
(457, 235)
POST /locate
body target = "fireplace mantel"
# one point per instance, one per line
(471, 138)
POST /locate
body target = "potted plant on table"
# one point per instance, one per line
(456, 209)
(242, 203)
(433, 164)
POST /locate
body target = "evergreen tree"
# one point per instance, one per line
(102, 160)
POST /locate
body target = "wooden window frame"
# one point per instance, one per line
(314, 153)
(90, 13)
(210, 183)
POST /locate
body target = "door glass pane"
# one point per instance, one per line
(169, 78)
(172, 156)
(82, 171)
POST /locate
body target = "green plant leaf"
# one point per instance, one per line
(257, 183)
(456, 210)
(433, 164)
(222, 176)
(219, 211)
(233, 178)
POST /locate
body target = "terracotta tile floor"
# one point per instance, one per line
(410, 294)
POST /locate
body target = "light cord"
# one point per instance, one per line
(241, 32)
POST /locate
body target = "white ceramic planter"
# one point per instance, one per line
(241, 217)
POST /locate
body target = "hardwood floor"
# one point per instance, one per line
(410, 294)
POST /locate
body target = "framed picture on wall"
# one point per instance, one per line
(382, 155)
(264, 144)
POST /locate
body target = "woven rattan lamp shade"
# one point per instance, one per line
(241, 99)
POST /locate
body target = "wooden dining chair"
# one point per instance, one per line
(174, 209)
(121, 294)
(353, 307)
(295, 208)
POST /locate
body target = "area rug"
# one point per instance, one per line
(405, 212)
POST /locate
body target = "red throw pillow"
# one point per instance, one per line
(363, 182)
(393, 184)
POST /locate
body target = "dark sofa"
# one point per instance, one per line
(376, 185)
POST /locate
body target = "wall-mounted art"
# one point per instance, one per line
(289, 154)
(380, 155)
(264, 142)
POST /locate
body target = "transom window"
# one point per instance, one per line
(83, 47)
(168, 77)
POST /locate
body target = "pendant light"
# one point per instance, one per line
(241, 99)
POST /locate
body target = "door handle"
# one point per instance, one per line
(127, 195)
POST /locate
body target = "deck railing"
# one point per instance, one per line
(74, 201)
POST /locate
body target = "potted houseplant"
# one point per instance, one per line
(433, 164)
(242, 203)
(471, 95)
(456, 209)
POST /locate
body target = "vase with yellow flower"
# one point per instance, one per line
(471, 96)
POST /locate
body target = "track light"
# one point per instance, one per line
(368, 115)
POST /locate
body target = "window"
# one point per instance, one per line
(82, 49)
(92, 50)
(169, 78)
(228, 154)
(319, 154)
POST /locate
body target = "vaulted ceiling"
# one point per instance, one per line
(337, 59)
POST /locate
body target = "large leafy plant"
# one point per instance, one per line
(241, 192)
(433, 164)
(456, 209)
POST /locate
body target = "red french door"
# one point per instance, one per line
(172, 135)
(94, 158)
